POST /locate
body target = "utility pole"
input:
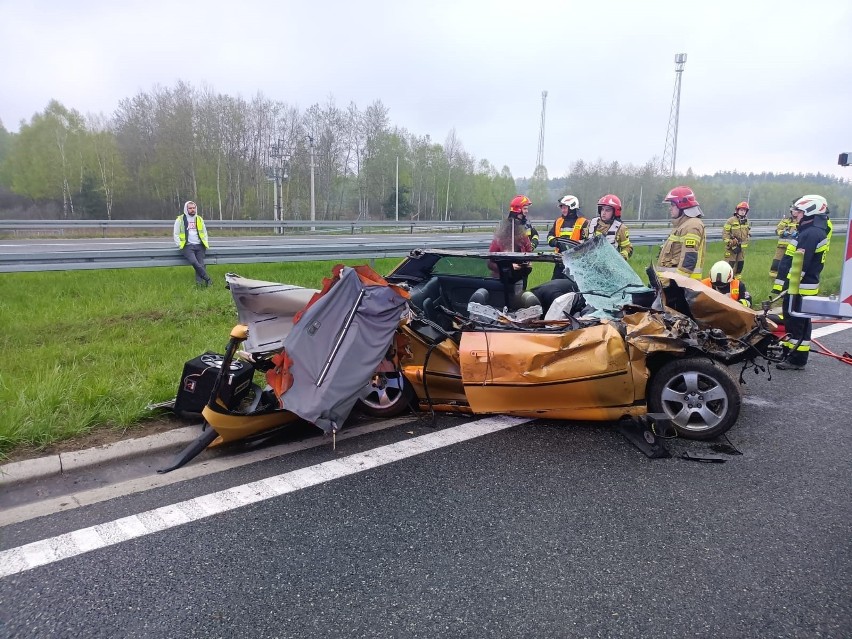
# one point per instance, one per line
(397, 188)
(539, 161)
(670, 150)
(276, 174)
(313, 199)
(447, 204)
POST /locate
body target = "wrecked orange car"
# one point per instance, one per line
(615, 348)
(442, 332)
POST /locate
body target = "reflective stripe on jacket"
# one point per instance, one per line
(736, 231)
(785, 230)
(814, 240)
(616, 234)
(579, 230)
(733, 292)
(683, 250)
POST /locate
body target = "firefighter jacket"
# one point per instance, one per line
(683, 250)
(182, 229)
(735, 288)
(735, 234)
(569, 226)
(813, 239)
(532, 234)
(785, 230)
(616, 234)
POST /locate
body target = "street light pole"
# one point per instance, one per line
(397, 188)
(313, 200)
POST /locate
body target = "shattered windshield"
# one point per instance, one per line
(605, 278)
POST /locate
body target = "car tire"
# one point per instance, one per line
(698, 395)
(389, 395)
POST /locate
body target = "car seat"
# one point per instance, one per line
(428, 299)
(431, 290)
(481, 296)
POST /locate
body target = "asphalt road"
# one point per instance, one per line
(538, 530)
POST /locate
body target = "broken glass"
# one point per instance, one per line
(604, 277)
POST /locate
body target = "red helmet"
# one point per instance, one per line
(610, 200)
(518, 203)
(742, 205)
(682, 197)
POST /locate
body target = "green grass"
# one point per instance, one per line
(91, 349)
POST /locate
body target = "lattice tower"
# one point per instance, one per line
(670, 151)
(539, 160)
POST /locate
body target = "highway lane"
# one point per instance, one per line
(538, 529)
(43, 245)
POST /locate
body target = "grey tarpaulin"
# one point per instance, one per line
(311, 342)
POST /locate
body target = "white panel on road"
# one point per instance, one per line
(822, 331)
(54, 549)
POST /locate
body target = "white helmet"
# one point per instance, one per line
(721, 273)
(570, 201)
(811, 205)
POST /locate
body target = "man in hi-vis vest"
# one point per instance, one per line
(722, 279)
(570, 225)
(191, 238)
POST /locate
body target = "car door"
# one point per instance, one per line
(575, 374)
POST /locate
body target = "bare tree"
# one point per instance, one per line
(451, 148)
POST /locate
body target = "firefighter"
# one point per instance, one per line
(512, 234)
(722, 279)
(811, 215)
(735, 234)
(786, 230)
(520, 207)
(608, 222)
(683, 250)
(570, 225)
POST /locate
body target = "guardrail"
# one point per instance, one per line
(60, 227)
(152, 257)
(143, 258)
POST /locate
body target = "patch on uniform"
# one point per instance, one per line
(690, 243)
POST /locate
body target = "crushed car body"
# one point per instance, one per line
(459, 332)
(598, 361)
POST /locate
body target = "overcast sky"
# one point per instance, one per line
(767, 85)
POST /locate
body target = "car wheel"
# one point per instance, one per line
(389, 395)
(698, 395)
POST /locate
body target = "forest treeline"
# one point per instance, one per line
(166, 145)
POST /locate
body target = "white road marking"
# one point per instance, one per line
(822, 331)
(78, 542)
(196, 469)
(758, 401)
